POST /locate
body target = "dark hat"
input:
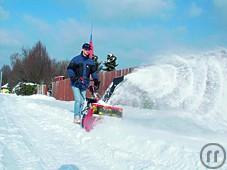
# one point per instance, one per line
(86, 46)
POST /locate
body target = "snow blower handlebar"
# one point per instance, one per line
(94, 92)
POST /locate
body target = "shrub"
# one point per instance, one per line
(25, 89)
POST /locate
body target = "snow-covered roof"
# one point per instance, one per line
(18, 85)
(5, 86)
(30, 84)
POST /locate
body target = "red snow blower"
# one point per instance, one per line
(97, 107)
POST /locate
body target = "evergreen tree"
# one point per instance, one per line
(110, 64)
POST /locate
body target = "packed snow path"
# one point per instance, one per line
(37, 133)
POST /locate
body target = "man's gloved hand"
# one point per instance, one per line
(76, 79)
(96, 84)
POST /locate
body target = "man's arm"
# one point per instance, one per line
(95, 77)
(93, 72)
(70, 71)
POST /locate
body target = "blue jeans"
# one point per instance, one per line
(79, 97)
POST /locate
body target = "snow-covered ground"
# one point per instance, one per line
(171, 110)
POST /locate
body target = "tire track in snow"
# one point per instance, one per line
(16, 148)
(62, 139)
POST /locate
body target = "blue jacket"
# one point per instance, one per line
(79, 70)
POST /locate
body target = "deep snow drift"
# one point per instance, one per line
(171, 110)
(194, 84)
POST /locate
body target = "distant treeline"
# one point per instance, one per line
(32, 65)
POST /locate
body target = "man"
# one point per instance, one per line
(79, 71)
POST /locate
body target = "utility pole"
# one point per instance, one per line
(0, 81)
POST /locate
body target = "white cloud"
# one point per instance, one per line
(37, 23)
(221, 6)
(11, 41)
(60, 37)
(65, 31)
(10, 38)
(220, 3)
(221, 17)
(70, 30)
(4, 14)
(181, 29)
(65, 37)
(129, 8)
(195, 10)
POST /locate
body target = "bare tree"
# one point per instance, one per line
(34, 65)
(17, 73)
(59, 67)
(37, 64)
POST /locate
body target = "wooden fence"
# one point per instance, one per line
(62, 90)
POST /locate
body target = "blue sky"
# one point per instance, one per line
(134, 30)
